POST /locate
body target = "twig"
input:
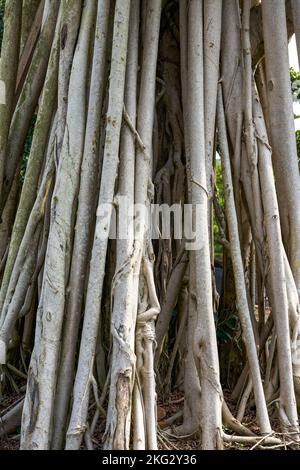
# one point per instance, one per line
(133, 129)
(261, 440)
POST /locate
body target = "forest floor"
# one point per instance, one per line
(166, 409)
(10, 442)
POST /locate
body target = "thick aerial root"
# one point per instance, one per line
(116, 209)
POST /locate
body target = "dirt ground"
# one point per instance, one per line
(166, 409)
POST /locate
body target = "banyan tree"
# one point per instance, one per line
(146, 145)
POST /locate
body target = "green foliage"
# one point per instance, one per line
(27, 148)
(227, 329)
(295, 75)
(218, 248)
(298, 143)
(295, 81)
(219, 182)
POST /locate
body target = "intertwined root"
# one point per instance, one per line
(186, 105)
